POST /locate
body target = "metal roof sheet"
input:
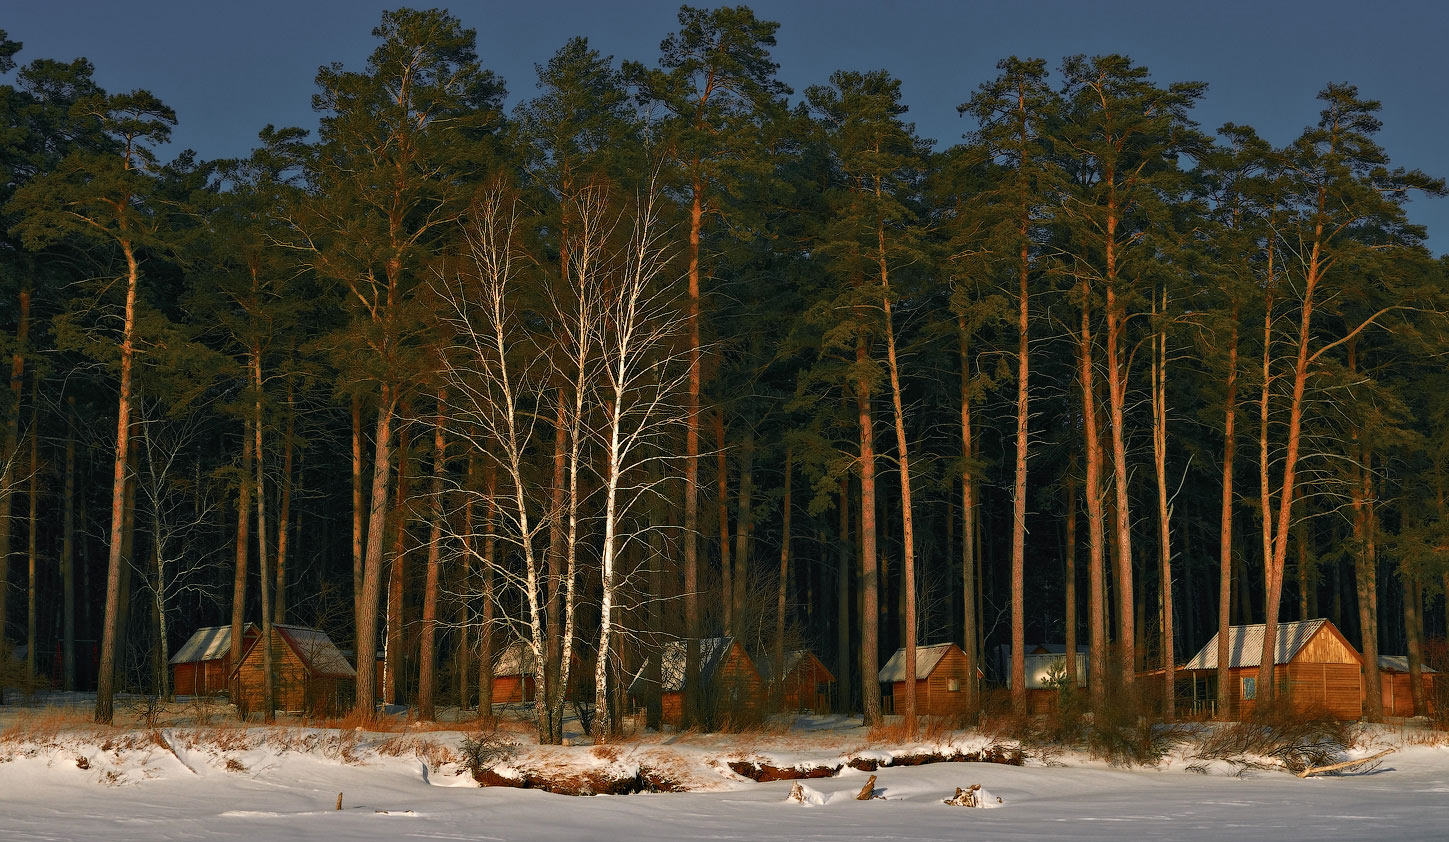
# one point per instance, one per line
(1245, 645)
(926, 659)
(207, 644)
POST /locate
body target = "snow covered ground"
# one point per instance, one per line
(224, 786)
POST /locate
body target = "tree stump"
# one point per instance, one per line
(868, 791)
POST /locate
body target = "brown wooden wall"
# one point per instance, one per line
(513, 689)
(737, 689)
(934, 696)
(296, 689)
(1336, 689)
(1398, 693)
(808, 687)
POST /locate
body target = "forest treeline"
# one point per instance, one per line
(670, 350)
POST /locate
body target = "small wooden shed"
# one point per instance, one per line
(202, 666)
(807, 686)
(731, 685)
(940, 675)
(311, 674)
(1045, 669)
(513, 675)
(1397, 689)
(1315, 668)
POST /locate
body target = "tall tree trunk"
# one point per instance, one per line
(1414, 632)
(1122, 519)
(869, 585)
(1225, 522)
(1164, 513)
(744, 530)
(32, 616)
(239, 576)
(1096, 537)
(106, 678)
(269, 674)
(357, 513)
(427, 656)
(1366, 575)
(393, 648)
(1018, 492)
(67, 552)
(554, 603)
(9, 446)
(779, 653)
(1071, 575)
(284, 509)
(372, 559)
(727, 587)
(691, 712)
(970, 602)
(844, 575)
(908, 531)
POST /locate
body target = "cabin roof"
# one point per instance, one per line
(926, 659)
(318, 654)
(207, 644)
(1245, 645)
(317, 651)
(1400, 663)
(792, 662)
(712, 653)
(515, 659)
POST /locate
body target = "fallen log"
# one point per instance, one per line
(1334, 767)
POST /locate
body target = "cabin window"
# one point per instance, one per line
(1250, 687)
(953, 685)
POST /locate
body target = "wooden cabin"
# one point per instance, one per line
(514, 680)
(202, 666)
(732, 687)
(513, 675)
(311, 674)
(940, 675)
(1397, 689)
(807, 686)
(1315, 667)
(1045, 671)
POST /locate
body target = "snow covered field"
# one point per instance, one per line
(285, 788)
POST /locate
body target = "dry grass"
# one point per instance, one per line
(1294, 737)
(44, 726)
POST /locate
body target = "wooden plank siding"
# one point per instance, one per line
(1324, 677)
(808, 686)
(297, 690)
(1398, 692)
(934, 696)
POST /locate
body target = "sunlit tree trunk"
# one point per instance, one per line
(67, 551)
(110, 633)
(969, 603)
(427, 650)
(1096, 537)
(1225, 522)
(869, 584)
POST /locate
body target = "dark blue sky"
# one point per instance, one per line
(230, 67)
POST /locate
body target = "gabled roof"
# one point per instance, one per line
(318, 654)
(792, 661)
(712, 653)
(515, 659)
(317, 651)
(208, 644)
(926, 659)
(1400, 663)
(1245, 645)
